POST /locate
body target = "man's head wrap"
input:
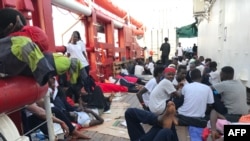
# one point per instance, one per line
(169, 69)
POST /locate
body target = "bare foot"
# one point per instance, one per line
(168, 117)
(77, 135)
(215, 135)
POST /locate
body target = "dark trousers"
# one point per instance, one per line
(134, 117)
(165, 60)
(131, 86)
(191, 121)
(97, 99)
(86, 80)
(33, 121)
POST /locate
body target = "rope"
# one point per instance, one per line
(15, 110)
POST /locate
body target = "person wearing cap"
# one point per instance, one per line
(163, 92)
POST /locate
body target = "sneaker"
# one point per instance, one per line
(107, 112)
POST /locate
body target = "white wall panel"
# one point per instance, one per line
(225, 37)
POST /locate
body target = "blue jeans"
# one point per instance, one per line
(134, 117)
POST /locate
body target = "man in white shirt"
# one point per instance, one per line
(180, 81)
(163, 92)
(200, 66)
(214, 75)
(151, 65)
(180, 78)
(139, 69)
(196, 98)
(144, 94)
(124, 69)
(179, 51)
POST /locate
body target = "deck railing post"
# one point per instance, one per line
(49, 117)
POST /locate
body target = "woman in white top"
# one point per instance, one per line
(76, 49)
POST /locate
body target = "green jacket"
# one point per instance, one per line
(20, 56)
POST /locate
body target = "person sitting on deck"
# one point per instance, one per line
(189, 70)
(82, 116)
(144, 93)
(34, 115)
(139, 69)
(214, 75)
(180, 78)
(124, 69)
(95, 100)
(233, 95)
(163, 128)
(196, 98)
(128, 81)
(179, 82)
(164, 91)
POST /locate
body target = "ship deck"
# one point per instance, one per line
(131, 98)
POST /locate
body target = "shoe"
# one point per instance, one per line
(107, 112)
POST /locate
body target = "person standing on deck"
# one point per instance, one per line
(179, 51)
(76, 49)
(165, 49)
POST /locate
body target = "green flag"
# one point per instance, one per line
(188, 31)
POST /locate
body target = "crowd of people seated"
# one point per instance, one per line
(185, 92)
(201, 94)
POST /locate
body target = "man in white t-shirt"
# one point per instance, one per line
(214, 75)
(139, 69)
(151, 65)
(163, 92)
(196, 98)
(144, 93)
(179, 82)
(124, 69)
(179, 51)
(180, 78)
